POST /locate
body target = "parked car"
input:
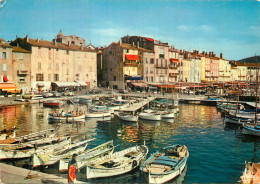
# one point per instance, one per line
(95, 91)
(123, 91)
(56, 94)
(28, 95)
(47, 94)
(68, 93)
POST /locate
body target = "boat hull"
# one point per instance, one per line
(67, 118)
(127, 164)
(250, 130)
(97, 115)
(150, 116)
(128, 118)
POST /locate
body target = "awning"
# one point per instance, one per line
(40, 84)
(131, 57)
(66, 84)
(137, 84)
(174, 60)
(5, 79)
(9, 87)
(135, 77)
(82, 83)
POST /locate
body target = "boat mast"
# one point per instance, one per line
(256, 89)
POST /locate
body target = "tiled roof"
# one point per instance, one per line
(50, 44)
(19, 49)
(3, 44)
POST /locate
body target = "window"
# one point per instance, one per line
(21, 79)
(4, 67)
(39, 77)
(146, 70)
(127, 51)
(152, 61)
(110, 52)
(146, 60)
(56, 77)
(4, 55)
(166, 63)
(146, 79)
(20, 56)
(22, 66)
(39, 66)
(114, 78)
(156, 62)
(151, 70)
(72, 42)
(151, 79)
(161, 53)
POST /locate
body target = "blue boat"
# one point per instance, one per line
(166, 164)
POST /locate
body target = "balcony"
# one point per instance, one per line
(160, 66)
(22, 72)
(173, 67)
(131, 64)
(173, 74)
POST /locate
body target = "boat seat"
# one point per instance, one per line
(165, 160)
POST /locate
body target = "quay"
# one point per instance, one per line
(136, 106)
(12, 174)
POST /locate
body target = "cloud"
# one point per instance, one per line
(186, 28)
(183, 28)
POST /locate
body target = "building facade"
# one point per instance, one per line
(6, 70)
(71, 39)
(52, 61)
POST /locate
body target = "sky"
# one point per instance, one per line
(228, 27)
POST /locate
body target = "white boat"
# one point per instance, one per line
(97, 114)
(150, 115)
(117, 163)
(88, 155)
(251, 130)
(66, 117)
(166, 164)
(168, 115)
(53, 157)
(6, 153)
(127, 117)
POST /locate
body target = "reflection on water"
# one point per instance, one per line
(217, 151)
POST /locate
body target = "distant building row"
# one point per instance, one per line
(33, 64)
(137, 58)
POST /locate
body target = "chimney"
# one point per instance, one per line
(206, 54)
(138, 44)
(38, 40)
(221, 55)
(27, 38)
(209, 54)
(203, 53)
(54, 42)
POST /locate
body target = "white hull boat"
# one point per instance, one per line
(88, 155)
(251, 130)
(117, 163)
(97, 114)
(165, 164)
(67, 152)
(5, 153)
(128, 117)
(168, 115)
(150, 115)
(67, 118)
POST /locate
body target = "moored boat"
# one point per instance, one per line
(97, 114)
(66, 117)
(253, 130)
(150, 115)
(165, 164)
(251, 174)
(51, 103)
(88, 155)
(128, 117)
(117, 163)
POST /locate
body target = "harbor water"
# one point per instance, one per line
(217, 150)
